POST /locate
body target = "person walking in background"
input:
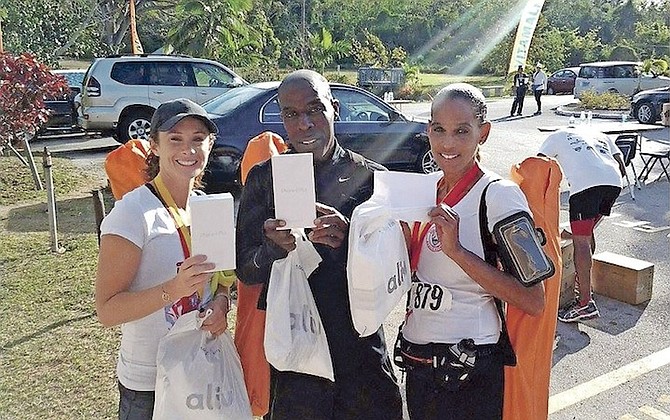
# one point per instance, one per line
(538, 86)
(594, 168)
(520, 86)
(146, 277)
(365, 386)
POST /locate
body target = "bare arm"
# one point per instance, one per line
(498, 283)
(118, 263)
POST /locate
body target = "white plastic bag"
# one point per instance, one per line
(378, 268)
(294, 336)
(199, 376)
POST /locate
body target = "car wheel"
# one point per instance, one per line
(136, 125)
(427, 163)
(550, 91)
(645, 113)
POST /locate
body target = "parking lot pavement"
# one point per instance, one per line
(74, 143)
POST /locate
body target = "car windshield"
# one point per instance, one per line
(74, 79)
(231, 100)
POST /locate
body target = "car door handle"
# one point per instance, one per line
(158, 92)
(203, 93)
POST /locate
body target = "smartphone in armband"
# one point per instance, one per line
(520, 251)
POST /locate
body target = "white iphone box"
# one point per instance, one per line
(293, 186)
(409, 196)
(213, 229)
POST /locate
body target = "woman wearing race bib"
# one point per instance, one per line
(146, 276)
(451, 342)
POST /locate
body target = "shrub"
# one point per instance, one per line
(24, 85)
(607, 100)
(345, 78)
(261, 73)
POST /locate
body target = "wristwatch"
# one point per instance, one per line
(165, 295)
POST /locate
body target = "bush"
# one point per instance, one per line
(24, 85)
(341, 78)
(262, 73)
(607, 100)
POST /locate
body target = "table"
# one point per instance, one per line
(610, 127)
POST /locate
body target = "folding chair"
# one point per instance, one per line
(628, 144)
(650, 156)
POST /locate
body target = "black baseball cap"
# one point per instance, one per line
(168, 114)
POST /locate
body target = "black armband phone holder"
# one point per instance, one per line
(519, 246)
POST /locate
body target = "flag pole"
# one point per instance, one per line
(135, 43)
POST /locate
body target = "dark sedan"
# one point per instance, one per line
(367, 125)
(646, 106)
(62, 113)
(562, 81)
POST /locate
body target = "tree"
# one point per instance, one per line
(217, 30)
(324, 50)
(24, 85)
(47, 29)
(370, 51)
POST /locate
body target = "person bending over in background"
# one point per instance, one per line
(593, 166)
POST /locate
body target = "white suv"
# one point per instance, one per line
(120, 93)
(622, 77)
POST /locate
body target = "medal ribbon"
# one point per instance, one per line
(171, 206)
(420, 230)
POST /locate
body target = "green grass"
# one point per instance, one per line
(17, 185)
(432, 80)
(57, 361)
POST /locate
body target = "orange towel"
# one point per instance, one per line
(250, 322)
(527, 384)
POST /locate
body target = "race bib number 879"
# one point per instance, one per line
(429, 297)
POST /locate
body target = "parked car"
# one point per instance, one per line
(622, 77)
(63, 114)
(646, 106)
(562, 81)
(121, 93)
(366, 125)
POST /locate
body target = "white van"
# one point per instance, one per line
(622, 77)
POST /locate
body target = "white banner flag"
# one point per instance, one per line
(524, 34)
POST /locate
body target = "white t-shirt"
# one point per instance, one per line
(539, 80)
(143, 220)
(472, 312)
(586, 157)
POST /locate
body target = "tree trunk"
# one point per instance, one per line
(33, 167)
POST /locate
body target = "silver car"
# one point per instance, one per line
(120, 93)
(622, 77)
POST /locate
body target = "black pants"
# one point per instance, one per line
(135, 405)
(517, 105)
(538, 95)
(481, 398)
(369, 394)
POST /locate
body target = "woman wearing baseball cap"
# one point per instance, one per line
(146, 276)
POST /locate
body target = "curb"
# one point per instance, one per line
(604, 114)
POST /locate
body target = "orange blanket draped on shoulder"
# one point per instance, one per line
(527, 384)
(250, 322)
(125, 166)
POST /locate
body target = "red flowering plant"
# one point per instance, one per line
(24, 85)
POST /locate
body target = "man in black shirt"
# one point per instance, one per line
(520, 86)
(364, 386)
